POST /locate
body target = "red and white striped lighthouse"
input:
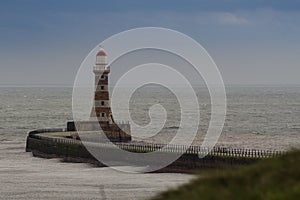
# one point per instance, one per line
(101, 108)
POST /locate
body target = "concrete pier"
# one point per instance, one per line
(58, 143)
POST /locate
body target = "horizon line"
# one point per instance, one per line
(129, 85)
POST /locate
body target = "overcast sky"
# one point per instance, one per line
(252, 42)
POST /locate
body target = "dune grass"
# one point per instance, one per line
(277, 178)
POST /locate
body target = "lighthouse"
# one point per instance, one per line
(101, 108)
(101, 111)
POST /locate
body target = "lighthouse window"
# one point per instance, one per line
(102, 76)
(102, 87)
(103, 114)
(102, 103)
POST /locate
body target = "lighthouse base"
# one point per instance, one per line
(115, 132)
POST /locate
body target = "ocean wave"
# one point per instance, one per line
(172, 127)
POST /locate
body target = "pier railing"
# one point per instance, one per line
(151, 147)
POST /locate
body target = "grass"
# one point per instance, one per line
(277, 178)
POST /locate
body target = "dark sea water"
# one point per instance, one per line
(257, 117)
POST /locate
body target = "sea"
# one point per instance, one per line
(258, 117)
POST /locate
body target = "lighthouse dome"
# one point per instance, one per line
(101, 53)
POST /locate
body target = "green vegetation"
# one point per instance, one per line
(277, 178)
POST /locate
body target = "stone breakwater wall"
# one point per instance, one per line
(42, 144)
